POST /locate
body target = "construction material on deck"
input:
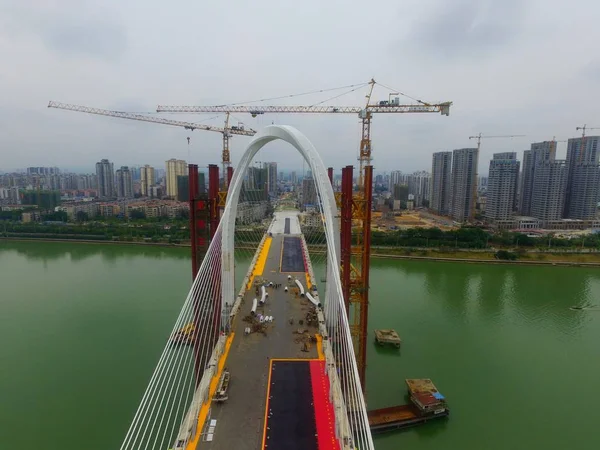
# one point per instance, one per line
(311, 317)
(313, 300)
(221, 393)
(427, 403)
(300, 288)
(390, 337)
(263, 295)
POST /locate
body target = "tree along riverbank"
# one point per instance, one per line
(176, 231)
(532, 257)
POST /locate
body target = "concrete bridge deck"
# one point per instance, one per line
(241, 421)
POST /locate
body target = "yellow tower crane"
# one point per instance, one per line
(583, 128)
(227, 131)
(479, 137)
(365, 113)
(361, 214)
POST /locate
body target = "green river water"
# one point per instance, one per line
(82, 326)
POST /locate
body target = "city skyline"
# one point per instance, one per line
(546, 189)
(300, 173)
(283, 164)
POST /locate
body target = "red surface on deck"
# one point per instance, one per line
(324, 415)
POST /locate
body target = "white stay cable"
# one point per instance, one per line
(176, 357)
(189, 366)
(165, 361)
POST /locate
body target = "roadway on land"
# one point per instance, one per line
(278, 225)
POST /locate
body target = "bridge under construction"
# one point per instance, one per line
(276, 347)
(276, 361)
(279, 382)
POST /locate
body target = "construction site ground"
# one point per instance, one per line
(393, 220)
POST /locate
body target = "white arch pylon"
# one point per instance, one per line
(334, 311)
(324, 191)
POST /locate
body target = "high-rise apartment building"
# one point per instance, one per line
(183, 188)
(502, 182)
(271, 178)
(174, 168)
(440, 182)
(135, 173)
(10, 195)
(482, 184)
(294, 178)
(124, 183)
(106, 179)
(256, 179)
(548, 193)
(400, 192)
(395, 178)
(147, 179)
(464, 183)
(309, 192)
(419, 184)
(43, 171)
(540, 152)
(583, 181)
(86, 182)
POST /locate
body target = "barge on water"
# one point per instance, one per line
(389, 337)
(426, 404)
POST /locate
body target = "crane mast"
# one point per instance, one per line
(226, 157)
(365, 141)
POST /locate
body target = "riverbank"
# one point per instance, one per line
(553, 260)
(584, 259)
(91, 241)
(537, 257)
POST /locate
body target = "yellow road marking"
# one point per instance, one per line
(308, 283)
(193, 445)
(320, 346)
(259, 267)
(281, 256)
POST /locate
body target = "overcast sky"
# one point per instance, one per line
(510, 66)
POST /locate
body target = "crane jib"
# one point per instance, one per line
(152, 119)
(443, 108)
